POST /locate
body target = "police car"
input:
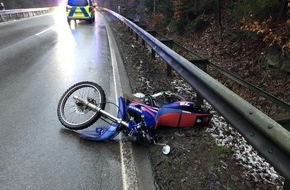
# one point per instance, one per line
(80, 10)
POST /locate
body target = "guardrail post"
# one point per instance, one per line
(153, 33)
(168, 43)
(2, 18)
(202, 64)
(283, 119)
(136, 35)
(130, 30)
(144, 28)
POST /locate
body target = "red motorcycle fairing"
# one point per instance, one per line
(181, 114)
(177, 114)
(172, 117)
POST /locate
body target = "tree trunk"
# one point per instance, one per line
(219, 18)
(283, 9)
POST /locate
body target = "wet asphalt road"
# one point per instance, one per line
(39, 59)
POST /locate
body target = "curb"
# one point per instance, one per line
(136, 167)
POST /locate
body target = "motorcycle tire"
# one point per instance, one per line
(76, 116)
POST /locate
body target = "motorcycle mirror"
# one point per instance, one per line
(166, 149)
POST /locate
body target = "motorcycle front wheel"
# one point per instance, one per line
(75, 115)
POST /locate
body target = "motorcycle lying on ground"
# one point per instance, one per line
(138, 115)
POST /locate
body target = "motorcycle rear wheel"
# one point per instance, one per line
(77, 116)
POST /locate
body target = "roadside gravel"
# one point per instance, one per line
(213, 157)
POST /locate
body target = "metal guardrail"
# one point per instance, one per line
(268, 137)
(6, 15)
(232, 76)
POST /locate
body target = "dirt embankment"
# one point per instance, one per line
(196, 161)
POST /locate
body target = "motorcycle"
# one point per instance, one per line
(138, 115)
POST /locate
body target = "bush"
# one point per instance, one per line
(175, 26)
(198, 25)
(259, 9)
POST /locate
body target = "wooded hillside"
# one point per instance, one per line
(267, 20)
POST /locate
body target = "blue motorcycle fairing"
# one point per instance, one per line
(147, 111)
(101, 133)
(149, 116)
(106, 133)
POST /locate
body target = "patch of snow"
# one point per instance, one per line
(256, 167)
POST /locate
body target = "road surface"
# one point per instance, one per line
(40, 58)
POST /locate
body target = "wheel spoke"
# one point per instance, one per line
(75, 115)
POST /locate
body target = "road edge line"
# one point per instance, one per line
(129, 174)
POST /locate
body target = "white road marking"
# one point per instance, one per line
(43, 31)
(127, 162)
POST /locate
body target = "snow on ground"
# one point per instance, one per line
(256, 167)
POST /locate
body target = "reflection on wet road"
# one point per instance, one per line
(39, 59)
